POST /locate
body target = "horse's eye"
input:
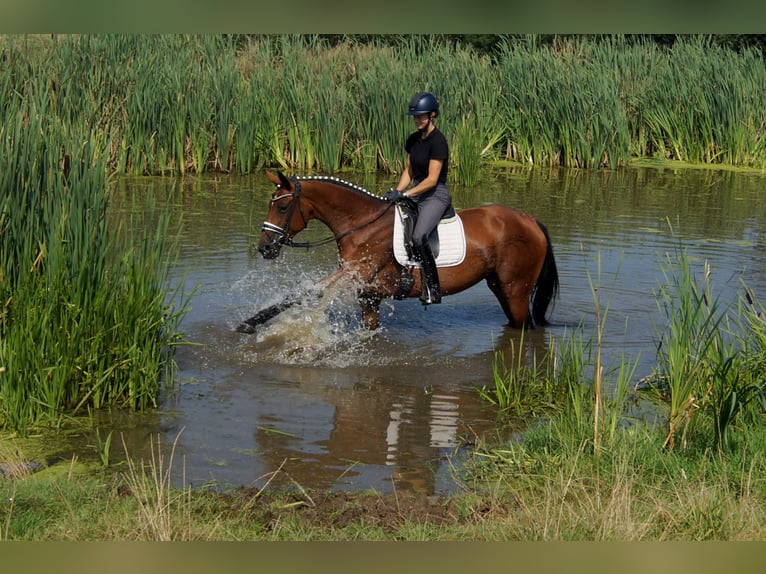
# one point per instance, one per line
(282, 208)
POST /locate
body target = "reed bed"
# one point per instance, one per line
(625, 477)
(708, 381)
(87, 317)
(179, 103)
(708, 359)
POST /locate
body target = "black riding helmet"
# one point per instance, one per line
(423, 103)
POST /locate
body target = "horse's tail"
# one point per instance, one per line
(547, 286)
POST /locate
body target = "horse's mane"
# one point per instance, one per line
(343, 183)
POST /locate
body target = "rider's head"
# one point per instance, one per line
(423, 103)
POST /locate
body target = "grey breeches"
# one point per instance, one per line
(431, 208)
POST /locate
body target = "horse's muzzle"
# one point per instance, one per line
(270, 250)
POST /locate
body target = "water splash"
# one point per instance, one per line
(326, 330)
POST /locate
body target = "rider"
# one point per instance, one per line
(425, 182)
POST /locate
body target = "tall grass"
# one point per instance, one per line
(586, 399)
(709, 377)
(383, 87)
(686, 479)
(522, 385)
(163, 511)
(180, 103)
(87, 319)
(708, 358)
(569, 387)
(562, 105)
(260, 116)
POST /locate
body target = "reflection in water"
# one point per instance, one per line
(329, 405)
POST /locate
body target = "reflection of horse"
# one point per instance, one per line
(510, 249)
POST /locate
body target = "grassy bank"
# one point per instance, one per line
(555, 487)
(178, 104)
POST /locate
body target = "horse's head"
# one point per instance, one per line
(285, 217)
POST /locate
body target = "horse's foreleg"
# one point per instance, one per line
(369, 302)
(248, 325)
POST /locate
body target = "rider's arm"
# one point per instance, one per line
(434, 168)
(406, 178)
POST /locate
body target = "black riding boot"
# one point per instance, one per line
(429, 275)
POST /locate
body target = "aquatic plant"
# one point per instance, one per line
(706, 358)
(88, 318)
(174, 103)
(521, 386)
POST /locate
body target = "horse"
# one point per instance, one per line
(509, 249)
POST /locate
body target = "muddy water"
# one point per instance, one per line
(314, 400)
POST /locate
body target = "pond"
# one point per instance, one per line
(313, 400)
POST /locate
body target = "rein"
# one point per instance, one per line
(285, 239)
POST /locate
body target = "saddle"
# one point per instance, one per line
(447, 239)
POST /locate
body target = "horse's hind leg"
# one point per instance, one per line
(514, 299)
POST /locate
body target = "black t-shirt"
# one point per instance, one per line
(423, 150)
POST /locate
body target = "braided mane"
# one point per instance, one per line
(341, 182)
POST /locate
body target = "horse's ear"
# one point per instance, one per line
(273, 178)
(283, 181)
(280, 179)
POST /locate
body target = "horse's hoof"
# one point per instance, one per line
(245, 328)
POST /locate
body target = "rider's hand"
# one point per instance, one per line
(393, 195)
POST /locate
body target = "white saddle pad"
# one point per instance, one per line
(451, 242)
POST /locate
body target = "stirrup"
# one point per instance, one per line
(430, 296)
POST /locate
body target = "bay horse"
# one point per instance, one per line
(509, 249)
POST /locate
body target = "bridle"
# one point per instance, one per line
(281, 235)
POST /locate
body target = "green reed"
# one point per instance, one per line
(709, 357)
(522, 387)
(260, 115)
(562, 105)
(380, 125)
(87, 317)
(225, 85)
(569, 387)
(178, 103)
(751, 330)
(709, 376)
(471, 114)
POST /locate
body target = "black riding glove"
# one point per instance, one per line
(393, 195)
